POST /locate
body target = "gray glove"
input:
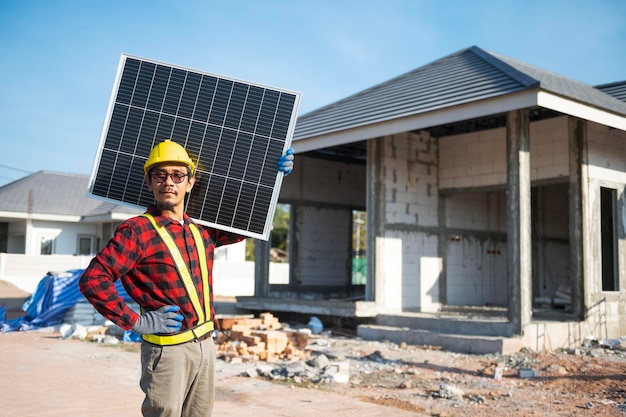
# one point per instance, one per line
(166, 319)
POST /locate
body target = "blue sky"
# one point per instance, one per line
(59, 58)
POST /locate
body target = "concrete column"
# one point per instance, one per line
(262, 267)
(576, 130)
(375, 213)
(442, 247)
(518, 228)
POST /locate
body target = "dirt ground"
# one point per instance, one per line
(45, 375)
(438, 383)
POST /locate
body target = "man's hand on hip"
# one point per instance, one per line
(166, 319)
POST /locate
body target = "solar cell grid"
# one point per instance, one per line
(234, 131)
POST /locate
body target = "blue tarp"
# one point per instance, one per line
(55, 294)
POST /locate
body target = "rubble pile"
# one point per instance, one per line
(290, 354)
(248, 339)
(317, 370)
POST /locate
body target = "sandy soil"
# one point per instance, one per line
(45, 375)
(13, 298)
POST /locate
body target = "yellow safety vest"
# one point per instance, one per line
(204, 315)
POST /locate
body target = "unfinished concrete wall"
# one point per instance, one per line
(476, 248)
(606, 149)
(475, 220)
(469, 245)
(549, 171)
(551, 245)
(321, 181)
(323, 194)
(471, 160)
(407, 265)
(478, 159)
(324, 253)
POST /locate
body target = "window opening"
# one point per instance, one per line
(47, 245)
(608, 232)
(85, 245)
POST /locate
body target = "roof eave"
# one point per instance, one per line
(583, 111)
(39, 216)
(474, 109)
(107, 217)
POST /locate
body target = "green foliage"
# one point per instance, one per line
(280, 229)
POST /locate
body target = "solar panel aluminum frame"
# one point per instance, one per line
(189, 108)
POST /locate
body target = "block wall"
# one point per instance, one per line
(323, 194)
(474, 159)
(475, 255)
(478, 211)
(320, 181)
(476, 272)
(607, 153)
(478, 159)
(607, 168)
(410, 193)
(324, 242)
(410, 180)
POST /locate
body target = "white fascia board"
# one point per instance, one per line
(454, 114)
(96, 219)
(55, 218)
(39, 216)
(108, 217)
(580, 110)
(12, 215)
(123, 216)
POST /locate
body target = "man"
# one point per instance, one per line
(165, 263)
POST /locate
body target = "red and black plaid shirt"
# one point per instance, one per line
(137, 255)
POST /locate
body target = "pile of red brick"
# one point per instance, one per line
(248, 339)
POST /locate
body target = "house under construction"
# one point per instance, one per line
(493, 197)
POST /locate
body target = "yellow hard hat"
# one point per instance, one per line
(168, 151)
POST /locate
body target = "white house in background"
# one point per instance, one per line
(47, 213)
(48, 224)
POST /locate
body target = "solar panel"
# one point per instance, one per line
(234, 131)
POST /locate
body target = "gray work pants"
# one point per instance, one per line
(178, 380)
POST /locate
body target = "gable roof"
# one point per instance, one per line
(564, 86)
(467, 84)
(617, 89)
(47, 193)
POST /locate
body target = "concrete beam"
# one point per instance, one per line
(351, 309)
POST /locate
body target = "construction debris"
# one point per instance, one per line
(248, 339)
(562, 298)
(319, 370)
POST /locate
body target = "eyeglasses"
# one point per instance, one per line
(161, 177)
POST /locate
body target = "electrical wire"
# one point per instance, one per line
(15, 169)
